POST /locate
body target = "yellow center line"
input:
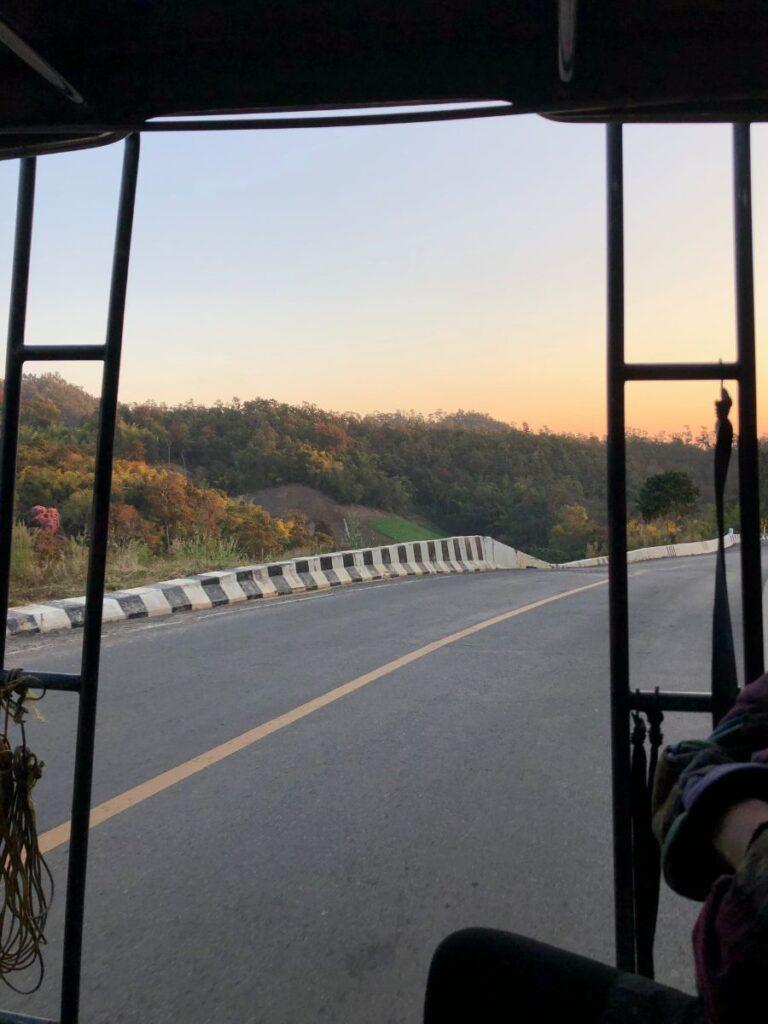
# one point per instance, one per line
(58, 836)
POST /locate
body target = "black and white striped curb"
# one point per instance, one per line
(230, 586)
(318, 572)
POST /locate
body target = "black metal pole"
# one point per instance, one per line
(617, 563)
(86, 723)
(749, 491)
(14, 364)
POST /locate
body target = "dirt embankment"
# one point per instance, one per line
(343, 522)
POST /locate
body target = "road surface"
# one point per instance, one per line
(309, 875)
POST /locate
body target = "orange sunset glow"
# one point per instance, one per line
(419, 267)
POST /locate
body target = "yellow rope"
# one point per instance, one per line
(26, 884)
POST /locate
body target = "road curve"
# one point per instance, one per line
(307, 874)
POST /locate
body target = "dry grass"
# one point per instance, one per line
(37, 576)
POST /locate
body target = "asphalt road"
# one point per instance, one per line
(309, 876)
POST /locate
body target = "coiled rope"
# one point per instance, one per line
(25, 880)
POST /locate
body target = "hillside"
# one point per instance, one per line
(49, 399)
(461, 472)
(163, 521)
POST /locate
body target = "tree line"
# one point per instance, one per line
(186, 468)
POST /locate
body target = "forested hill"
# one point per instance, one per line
(540, 491)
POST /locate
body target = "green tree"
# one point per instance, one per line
(667, 494)
(574, 534)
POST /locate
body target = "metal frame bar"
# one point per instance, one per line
(682, 371)
(624, 911)
(86, 683)
(623, 701)
(669, 700)
(675, 109)
(270, 122)
(14, 365)
(749, 491)
(51, 680)
(72, 353)
(94, 600)
(34, 60)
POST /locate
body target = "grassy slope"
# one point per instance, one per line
(396, 528)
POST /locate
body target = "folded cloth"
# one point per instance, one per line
(730, 942)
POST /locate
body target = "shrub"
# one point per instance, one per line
(42, 518)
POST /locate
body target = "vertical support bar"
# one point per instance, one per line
(617, 561)
(14, 364)
(749, 492)
(86, 723)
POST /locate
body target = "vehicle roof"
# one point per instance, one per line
(92, 70)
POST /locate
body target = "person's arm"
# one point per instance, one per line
(736, 828)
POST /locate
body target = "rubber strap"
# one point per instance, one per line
(725, 684)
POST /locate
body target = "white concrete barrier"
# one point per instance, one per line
(315, 572)
(230, 586)
(694, 547)
(502, 556)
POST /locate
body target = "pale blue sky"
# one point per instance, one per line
(430, 266)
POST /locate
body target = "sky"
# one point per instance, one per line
(425, 267)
